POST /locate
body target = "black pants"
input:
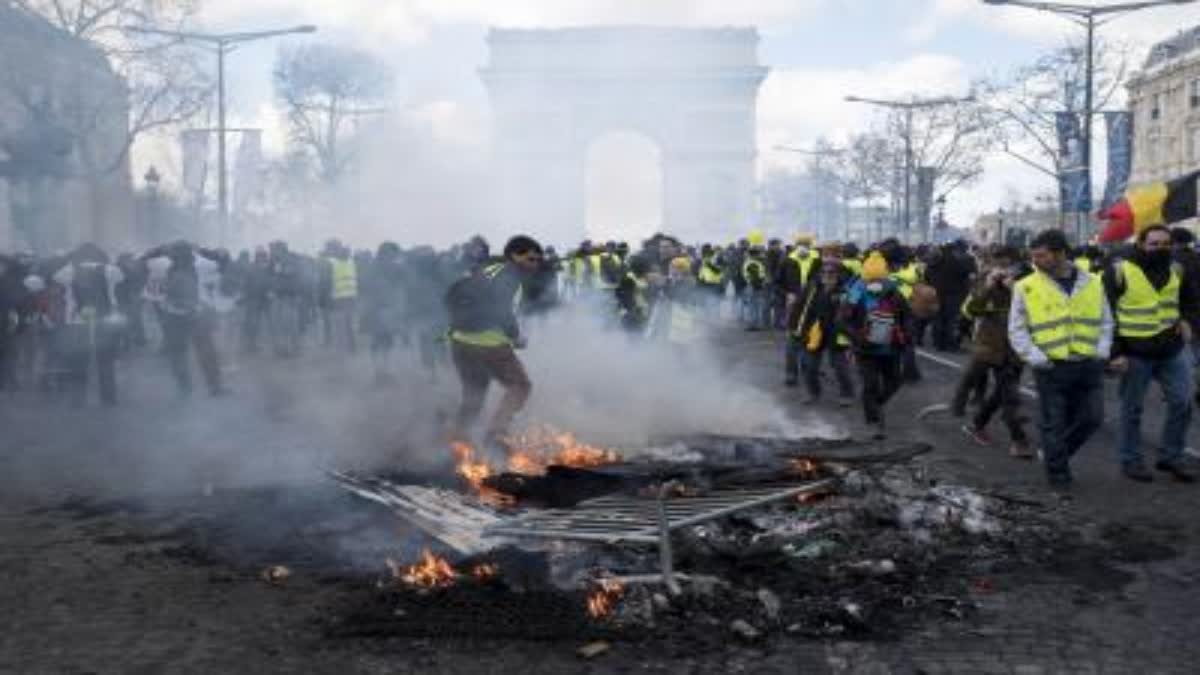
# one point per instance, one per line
(1071, 397)
(196, 331)
(880, 375)
(945, 326)
(1005, 397)
(839, 360)
(84, 345)
(973, 378)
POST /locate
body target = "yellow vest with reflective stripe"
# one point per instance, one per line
(489, 338)
(598, 261)
(805, 262)
(710, 274)
(345, 279)
(1083, 263)
(908, 277)
(1063, 327)
(641, 304)
(1142, 311)
(754, 267)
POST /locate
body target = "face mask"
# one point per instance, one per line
(1158, 258)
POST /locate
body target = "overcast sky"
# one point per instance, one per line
(818, 50)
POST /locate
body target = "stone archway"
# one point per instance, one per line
(691, 91)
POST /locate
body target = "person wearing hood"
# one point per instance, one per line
(876, 318)
(1153, 301)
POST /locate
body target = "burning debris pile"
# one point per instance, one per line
(703, 537)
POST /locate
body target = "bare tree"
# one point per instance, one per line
(952, 140)
(1025, 104)
(166, 85)
(110, 89)
(326, 90)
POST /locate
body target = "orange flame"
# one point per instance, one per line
(485, 571)
(430, 572)
(545, 446)
(603, 601)
(806, 468)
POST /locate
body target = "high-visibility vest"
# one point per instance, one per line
(598, 261)
(641, 304)
(1142, 311)
(710, 274)
(1063, 326)
(1084, 263)
(345, 279)
(805, 263)
(577, 269)
(489, 338)
(754, 268)
(854, 265)
(908, 277)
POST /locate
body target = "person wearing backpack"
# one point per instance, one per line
(92, 324)
(484, 336)
(876, 318)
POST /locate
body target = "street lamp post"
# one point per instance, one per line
(909, 106)
(1086, 16)
(223, 43)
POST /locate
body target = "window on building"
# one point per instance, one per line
(1194, 94)
(1156, 104)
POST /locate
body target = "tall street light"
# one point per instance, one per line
(909, 106)
(1090, 17)
(223, 43)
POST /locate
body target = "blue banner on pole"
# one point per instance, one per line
(1120, 155)
(1075, 180)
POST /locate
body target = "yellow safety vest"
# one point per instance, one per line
(345, 279)
(754, 267)
(805, 263)
(1063, 327)
(1083, 263)
(710, 274)
(906, 279)
(641, 304)
(1142, 311)
(598, 261)
(489, 338)
(854, 265)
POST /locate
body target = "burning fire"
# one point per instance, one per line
(485, 571)
(545, 446)
(529, 454)
(603, 601)
(430, 572)
(806, 468)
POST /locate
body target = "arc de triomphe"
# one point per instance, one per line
(693, 92)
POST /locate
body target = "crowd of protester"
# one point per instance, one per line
(1067, 316)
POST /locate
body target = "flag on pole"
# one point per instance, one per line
(1159, 203)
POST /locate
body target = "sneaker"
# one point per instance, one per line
(1177, 471)
(1137, 471)
(1020, 451)
(980, 436)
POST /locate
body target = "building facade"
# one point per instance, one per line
(1164, 98)
(64, 115)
